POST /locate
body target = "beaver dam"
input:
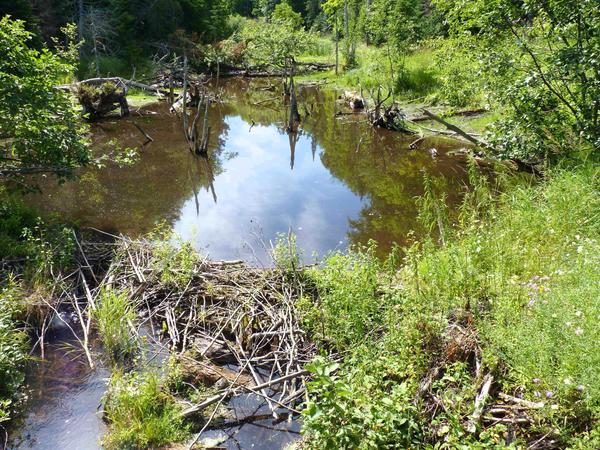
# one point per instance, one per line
(233, 329)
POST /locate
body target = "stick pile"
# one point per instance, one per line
(222, 312)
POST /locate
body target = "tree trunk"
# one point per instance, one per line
(367, 14)
(337, 46)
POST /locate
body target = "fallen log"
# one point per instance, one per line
(457, 130)
(215, 398)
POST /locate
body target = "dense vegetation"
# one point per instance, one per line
(512, 293)
(497, 302)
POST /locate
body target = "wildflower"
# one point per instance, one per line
(536, 381)
(578, 313)
(580, 387)
(531, 303)
(578, 331)
(568, 324)
(549, 394)
(567, 381)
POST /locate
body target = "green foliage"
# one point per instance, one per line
(359, 408)
(141, 412)
(40, 129)
(13, 348)
(173, 259)
(348, 309)
(285, 253)
(539, 60)
(49, 247)
(14, 218)
(519, 274)
(283, 14)
(114, 316)
(273, 44)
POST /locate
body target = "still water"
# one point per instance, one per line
(335, 183)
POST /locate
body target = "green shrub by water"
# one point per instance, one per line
(13, 349)
(521, 274)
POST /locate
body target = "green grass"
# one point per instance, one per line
(141, 413)
(138, 98)
(114, 316)
(411, 77)
(515, 286)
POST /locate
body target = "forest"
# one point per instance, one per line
(299, 224)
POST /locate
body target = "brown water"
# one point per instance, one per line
(338, 182)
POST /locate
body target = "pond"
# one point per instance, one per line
(336, 183)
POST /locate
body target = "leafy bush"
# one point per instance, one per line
(44, 129)
(174, 261)
(359, 408)
(13, 349)
(285, 253)
(14, 217)
(539, 62)
(349, 307)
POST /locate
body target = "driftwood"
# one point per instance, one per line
(390, 117)
(457, 130)
(196, 95)
(100, 96)
(463, 113)
(226, 312)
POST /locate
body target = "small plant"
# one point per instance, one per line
(174, 259)
(114, 315)
(356, 408)
(49, 248)
(285, 253)
(141, 412)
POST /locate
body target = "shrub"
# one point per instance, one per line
(13, 349)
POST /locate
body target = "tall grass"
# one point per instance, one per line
(521, 270)
(114, 316)
(142, 414)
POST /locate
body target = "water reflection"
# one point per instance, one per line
(334, 182)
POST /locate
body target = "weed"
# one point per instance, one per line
(521, 268)
(285, 253)
(141, 412)
(114, 315)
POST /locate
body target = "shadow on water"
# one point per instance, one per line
(64, 399)
(335, 183)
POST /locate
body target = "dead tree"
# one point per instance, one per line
(290, 90)
(389, 117)
(198, 144)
